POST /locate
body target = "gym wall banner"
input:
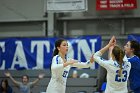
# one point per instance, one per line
(37, 53)
(59, 6)
(115, 4)
(134, 37)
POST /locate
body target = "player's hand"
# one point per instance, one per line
(112, 41)
(72, 61)
(41, 76)
(111, 48)
(92, 59)
(7, 74)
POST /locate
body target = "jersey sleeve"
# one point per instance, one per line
(135, 62)
(97, 57)
(82, 64)
(56, 64)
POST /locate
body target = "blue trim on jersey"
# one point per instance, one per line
(66, 58)
(88, 62)
(57, 59)
(134, 72)
(102, 59)
(117, 65)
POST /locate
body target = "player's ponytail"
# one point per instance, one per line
(55, 52)
(118, 54)
(121, 62)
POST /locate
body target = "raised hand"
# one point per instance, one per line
(41, 76)
(7, 74)
(112, 41)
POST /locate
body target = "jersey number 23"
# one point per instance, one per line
(121, 78)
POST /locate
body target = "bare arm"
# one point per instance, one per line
(13, 80)
(84, 64)
(39, 77)
(98, 54)
(112, 42)
(110, 52)
(111, 48)
(81, 64)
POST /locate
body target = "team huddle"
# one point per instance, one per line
(122, 65)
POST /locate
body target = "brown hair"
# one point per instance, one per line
(57, 44)
(119, 55)
(26, 77)
(6, 83)
(136, 46)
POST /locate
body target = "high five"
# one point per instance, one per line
(117, 68)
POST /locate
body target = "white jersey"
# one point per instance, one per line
(60, 73)
(115, 83)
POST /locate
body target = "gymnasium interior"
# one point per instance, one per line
(29, 28)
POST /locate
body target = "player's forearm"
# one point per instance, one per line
(82, 64)
(66, 64)
(13, 80)
(109, 53)
(36, 81)
(104, 49)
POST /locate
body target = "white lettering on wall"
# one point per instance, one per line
(40, 51)
(93, 41)
(84, 47)
(2, 46)
(19, 56)
(70, 50)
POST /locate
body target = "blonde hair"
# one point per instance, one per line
(119, 55)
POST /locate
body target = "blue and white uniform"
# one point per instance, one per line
(115, 83)
(134, 77)
(60, 73)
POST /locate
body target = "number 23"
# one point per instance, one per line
(118, 78)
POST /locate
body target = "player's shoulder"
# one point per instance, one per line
(127, 64)
(134, 59)
(56, 58)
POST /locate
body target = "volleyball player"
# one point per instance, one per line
(117, 69)
(60, 67)
(132, 51)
